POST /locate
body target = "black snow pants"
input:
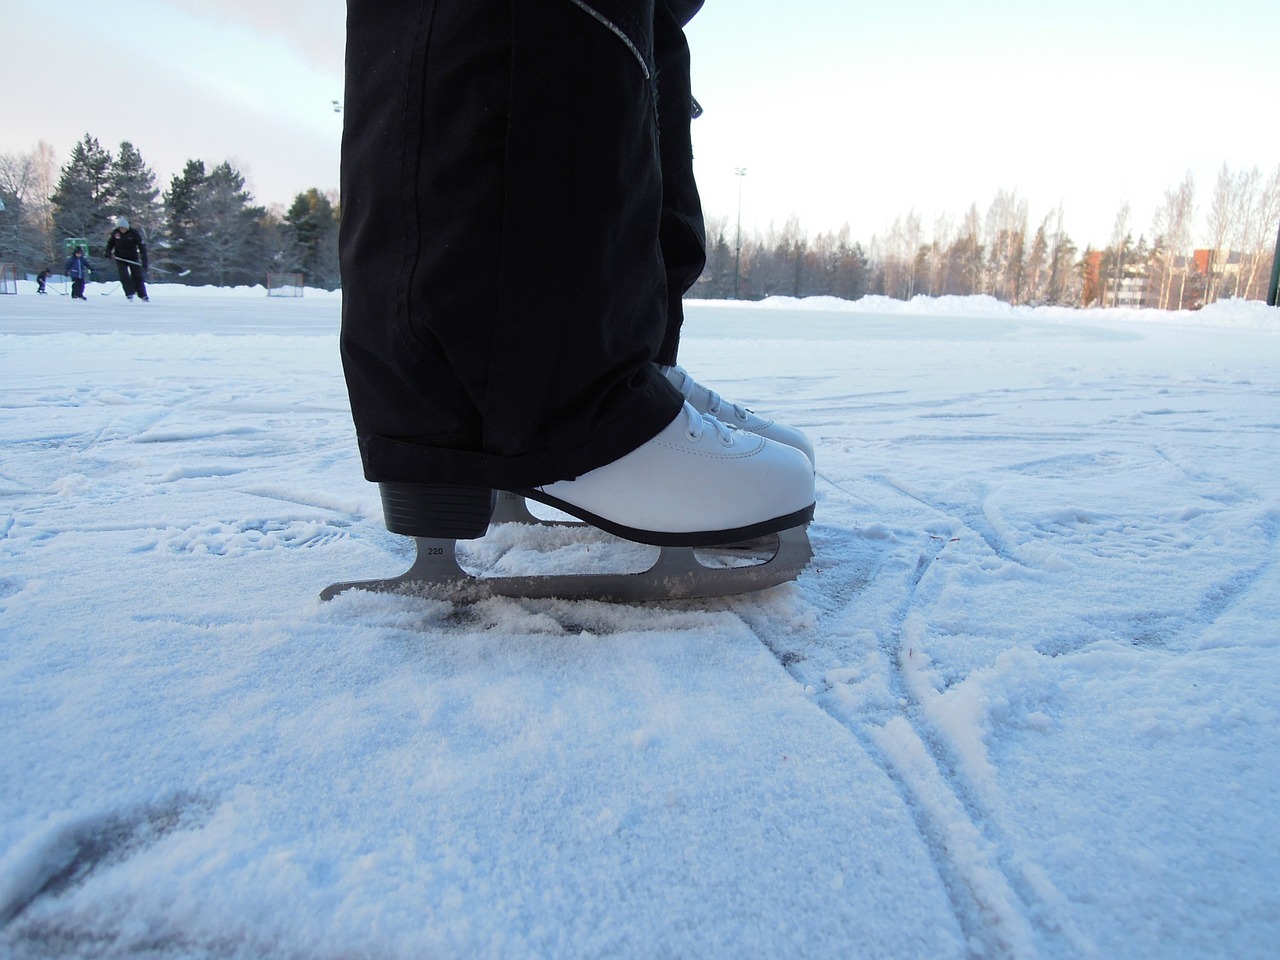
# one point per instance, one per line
(132, 279)
(519, 221)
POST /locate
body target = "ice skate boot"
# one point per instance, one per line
(697, 483)
(512, 508)
(711, 403)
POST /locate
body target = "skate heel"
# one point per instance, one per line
(435, 511)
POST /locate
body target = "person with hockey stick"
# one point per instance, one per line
(42, 278)
(127, 248)
(554, 135)
(78, 270)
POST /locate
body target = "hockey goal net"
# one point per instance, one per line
(8, 278)
(284, 284)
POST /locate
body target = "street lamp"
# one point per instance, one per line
(740, 172)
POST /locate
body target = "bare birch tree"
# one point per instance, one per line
(1037, 259)
(1221, 210)
(1257, 211)
(1172, 229)
(938, 256)
(27, 179)
(1114, 269)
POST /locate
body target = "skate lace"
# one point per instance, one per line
(697, 423)
(714, 400)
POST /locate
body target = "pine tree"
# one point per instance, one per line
(719, 270)
(853, 274)
(214, 231)
(82, 199)
(181, 223)
(313, 222)
(233, 242)
(133, 190)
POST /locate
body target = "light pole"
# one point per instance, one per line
(740, 172)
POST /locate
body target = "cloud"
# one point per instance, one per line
(317, 30)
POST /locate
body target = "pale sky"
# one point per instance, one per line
(839, 111)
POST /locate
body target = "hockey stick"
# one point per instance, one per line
(134, 263)
(107, 293)
(168, 266)
(170, 269)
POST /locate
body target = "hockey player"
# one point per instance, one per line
(78, 270)
(519, 223)
(127, 248)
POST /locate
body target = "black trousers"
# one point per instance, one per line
(132, 279)
(519, 222)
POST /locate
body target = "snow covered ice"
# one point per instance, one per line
(1022, 704)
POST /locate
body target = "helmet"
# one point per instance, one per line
(122, 223)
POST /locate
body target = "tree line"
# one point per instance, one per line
(206, 229)
(1005, 254)
(203, 229)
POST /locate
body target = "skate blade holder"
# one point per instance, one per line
(512, 507)
(677, 574)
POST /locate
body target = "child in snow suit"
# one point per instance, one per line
(127, 248)
(78, 270)
(41, 278)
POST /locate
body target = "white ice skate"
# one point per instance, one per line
(512, 508)
(696, 484)
(707, 401)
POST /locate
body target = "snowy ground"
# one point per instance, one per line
(1023, 703)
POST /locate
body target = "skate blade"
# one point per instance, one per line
(676, 575)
